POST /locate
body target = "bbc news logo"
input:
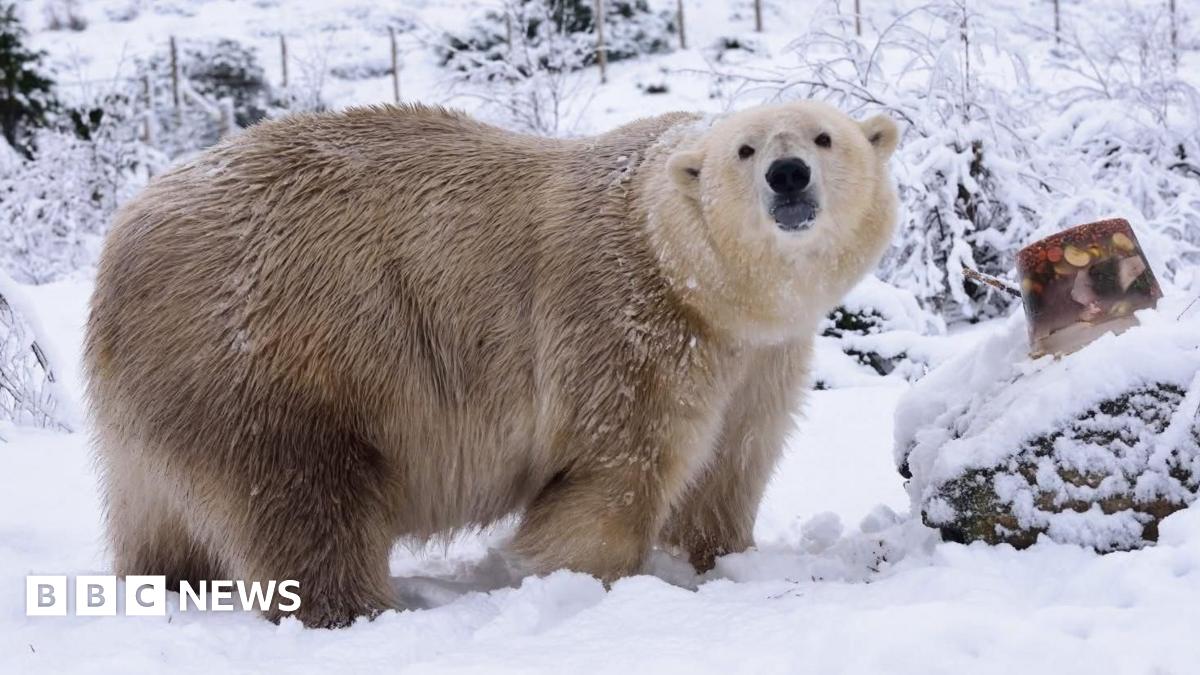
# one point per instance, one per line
(96, 595)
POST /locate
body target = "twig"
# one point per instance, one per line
(1189, 306)
(994, 282)
(44, 362)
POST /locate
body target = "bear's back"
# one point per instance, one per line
(380, 263)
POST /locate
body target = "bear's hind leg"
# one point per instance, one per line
(316, 511)
(147, 533)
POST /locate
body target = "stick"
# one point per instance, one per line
(998, 284)
(1174, 34)
(1185, 309)
(601, 55)
(174, 74)
(758, 16)
(395, 67)
(41, 359)
(1057, 25)
(149, 116)
(283, 58)
(682, 35)
(508, 29)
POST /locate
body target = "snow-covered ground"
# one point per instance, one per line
(843, 579)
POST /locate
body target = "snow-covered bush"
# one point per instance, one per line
(631, 28)
(57, 205)
(967, 179)
(1129, 130)
(221, 87)
(27, 381)
(534, 86)
(877, 330)
(1094, 448)
(522, 62)
(64, 15)
(991, 159)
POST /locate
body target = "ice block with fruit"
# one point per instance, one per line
(1083, 282)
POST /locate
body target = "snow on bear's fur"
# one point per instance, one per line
(333, 331)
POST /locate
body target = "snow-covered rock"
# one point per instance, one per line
(1094, 448)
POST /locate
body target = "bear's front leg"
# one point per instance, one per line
(716, 514)
(597, 521)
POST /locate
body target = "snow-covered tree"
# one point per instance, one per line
(26, 92)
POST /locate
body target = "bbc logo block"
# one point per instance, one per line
(95, 595)
(46, 596)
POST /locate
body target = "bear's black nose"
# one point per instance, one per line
(788, 175)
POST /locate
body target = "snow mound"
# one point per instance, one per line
(1094, 448)
(878, 330)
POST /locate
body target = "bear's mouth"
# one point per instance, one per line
(794, 215)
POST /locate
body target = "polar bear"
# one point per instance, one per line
(336, 331)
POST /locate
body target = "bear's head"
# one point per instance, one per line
(778, 211)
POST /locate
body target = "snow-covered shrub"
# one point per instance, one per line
(1129, 129)
(1094, 448)
(990, 160)
(534, 85)
(631, 28)
(734, 49)
(27, 381)
(64, 15)
(879, 330)
(522, 62)
(57, 205)
(221, 85)
(227, 69)
(967, 179)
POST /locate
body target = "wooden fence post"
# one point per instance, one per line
(283, 58)
(228, 120)
(679, 19)
(508, 28)
(395, 66)
(1174, 34)
(758, 16)
(858, 18)
(148, 118)
(174, 76)
(601, 54)
(1057, 24)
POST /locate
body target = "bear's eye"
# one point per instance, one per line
(745, 152)
(823, 140)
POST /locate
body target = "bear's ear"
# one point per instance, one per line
(881, 131)
(684, 169)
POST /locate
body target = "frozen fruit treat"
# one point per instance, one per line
(1083, 282)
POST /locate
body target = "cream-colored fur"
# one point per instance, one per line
(338, 330)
